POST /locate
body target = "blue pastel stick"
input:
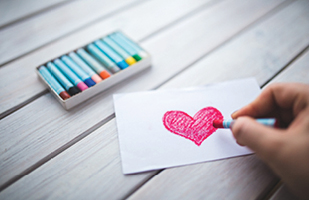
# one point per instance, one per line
(229, 123)
(70, 75)
(78, 71)
(108, 63)
(111, 54)
(54, 84)
(93, 63)
(72, 90)
(85, 67)
(140, 51)
(126, 46)
(119, 50)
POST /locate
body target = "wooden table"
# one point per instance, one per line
(48, 152)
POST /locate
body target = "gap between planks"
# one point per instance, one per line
(288, 64)
(19, 106)
(142, 183)
(274, 190)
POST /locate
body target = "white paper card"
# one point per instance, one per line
(146, 144)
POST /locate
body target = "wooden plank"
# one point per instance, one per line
(98, 173)
(245, 177)
(235, 178)
(43, 126)
(13, 10)
(275, 53)
(297, 72)
(283, 193)
(23, 37)
(134, 22)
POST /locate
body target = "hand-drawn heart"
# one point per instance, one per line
(196, 128)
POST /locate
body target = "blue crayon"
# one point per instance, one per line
(95, 65)
(126, 46)
(85, 67)
(53, 83)
(111, 54)
(121, 52)
(140, 51)
(78, 71)
(219, 123)
(72, 90)
(108, 63)
(70, 75)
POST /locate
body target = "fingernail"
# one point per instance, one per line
(233, 113)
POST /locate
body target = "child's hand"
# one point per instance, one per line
(286, 151)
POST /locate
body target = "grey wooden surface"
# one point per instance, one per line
(128, 21)
(47, 152)
(13, 11)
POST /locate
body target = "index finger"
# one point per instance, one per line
(277, 99)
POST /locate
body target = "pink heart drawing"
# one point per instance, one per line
(196, 128)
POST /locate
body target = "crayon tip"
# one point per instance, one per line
(64, 95)
(122, 65)
(89, 82)
(114, 69)
(73, 90)
(104, 74)
(218, 123)
(277, 124)
(137, 57)
(96, 78)
(130, 60)
(82, 86)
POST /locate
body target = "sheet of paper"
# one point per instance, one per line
(154, 127)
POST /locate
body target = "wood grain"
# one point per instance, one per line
(25, 85)
(13, 10)
(247, 164)
(23, 37)
(97, 173)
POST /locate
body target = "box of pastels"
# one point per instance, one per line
(78, 75)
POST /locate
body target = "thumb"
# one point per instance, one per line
(258, 137)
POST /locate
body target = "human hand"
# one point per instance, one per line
(286, 150)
